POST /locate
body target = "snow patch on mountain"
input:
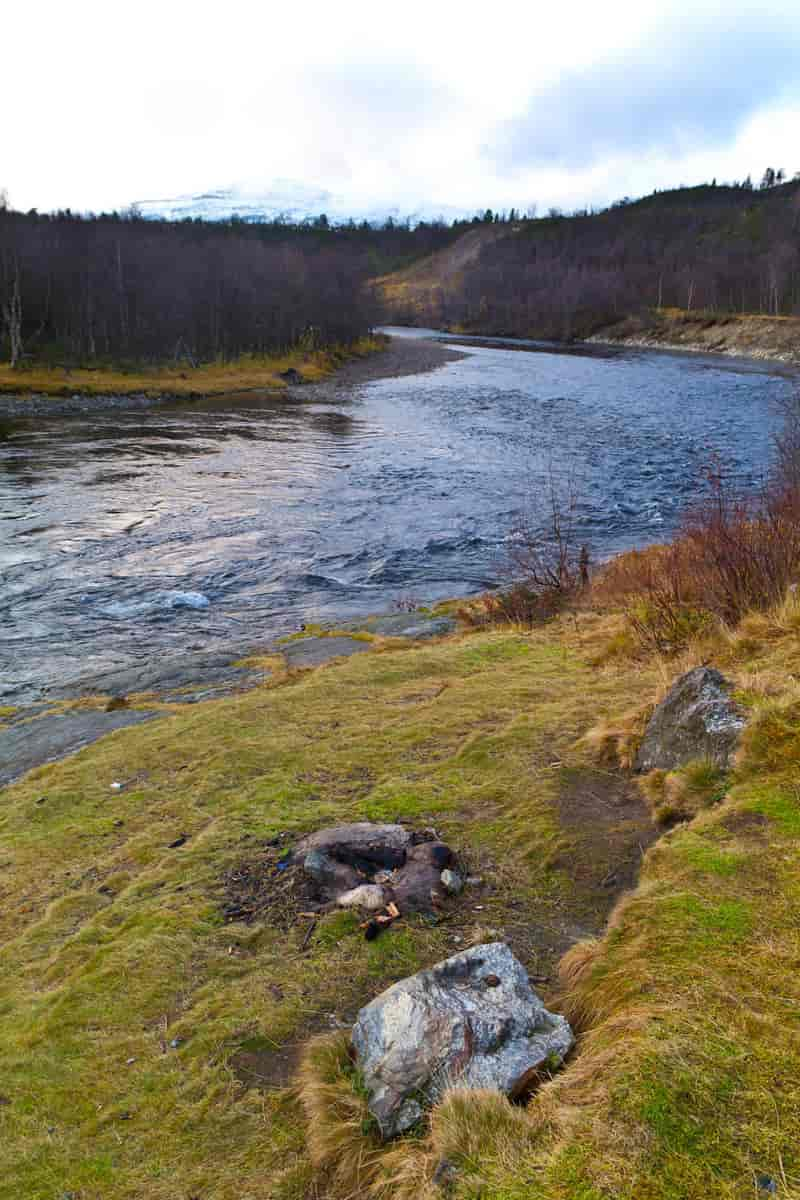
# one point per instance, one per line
(286, 199)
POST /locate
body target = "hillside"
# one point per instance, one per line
(712, 249)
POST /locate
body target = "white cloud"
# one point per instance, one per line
(579, 103)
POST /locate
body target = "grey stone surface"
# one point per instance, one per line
(382, 844)
(418, 886)
(331, 876)
(472, 1021)
(209, 673)
(28, 744)
(696, 719)
(414, 625)
(453, 883)
(314, 651)
(368, 895)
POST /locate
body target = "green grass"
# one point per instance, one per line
(125, 997)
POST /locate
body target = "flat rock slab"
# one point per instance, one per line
(314, 651)
(472, 1021)
(414, 625)
(204, 676)
(28, 744)
(697, 719)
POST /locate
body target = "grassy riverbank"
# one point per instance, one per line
(248, 373)
(145, 1041)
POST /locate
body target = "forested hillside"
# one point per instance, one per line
(722, 249)
(124, 289)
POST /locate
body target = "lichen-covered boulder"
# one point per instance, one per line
(472, 1021)
(696, 719)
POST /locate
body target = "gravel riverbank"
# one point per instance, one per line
(403, 356)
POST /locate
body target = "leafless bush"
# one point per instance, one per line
(547, 564)
(733, 554)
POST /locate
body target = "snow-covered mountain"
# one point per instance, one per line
(285, 198)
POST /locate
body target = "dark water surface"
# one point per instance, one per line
(127, 534)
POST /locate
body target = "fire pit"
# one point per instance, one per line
(387, 870)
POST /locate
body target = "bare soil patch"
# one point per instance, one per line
(608, 822)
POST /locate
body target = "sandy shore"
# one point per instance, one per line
(404, 356)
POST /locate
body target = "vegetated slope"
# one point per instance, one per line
(727, 249)
(148, 1024)
(418, 295)
(97, 289)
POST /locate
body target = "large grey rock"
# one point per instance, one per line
(472, 1021)
(315, 651)
(44, 739)
(696, 719)
(382, 844)
(208, 673)
(414, 625)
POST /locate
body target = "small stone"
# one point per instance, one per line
(452, 882)
(368, 896)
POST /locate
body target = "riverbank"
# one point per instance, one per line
(774, 339)
(54, 392)
(154, 999)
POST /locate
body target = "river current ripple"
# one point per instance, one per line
(125, 535)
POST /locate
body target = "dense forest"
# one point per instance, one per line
(84, 289)
(719, 249)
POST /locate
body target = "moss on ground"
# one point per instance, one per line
(128, 1005)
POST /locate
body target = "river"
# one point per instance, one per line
(125, 535)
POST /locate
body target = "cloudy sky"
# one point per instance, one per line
(434, 105)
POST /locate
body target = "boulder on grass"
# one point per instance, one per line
(382, 845)
(696, 719)
(472, 1021)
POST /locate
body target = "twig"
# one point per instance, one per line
(307, 938)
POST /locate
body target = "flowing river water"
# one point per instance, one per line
(128, 534)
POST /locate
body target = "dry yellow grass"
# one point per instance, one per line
(248, 373)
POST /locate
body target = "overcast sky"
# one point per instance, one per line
(418, 105)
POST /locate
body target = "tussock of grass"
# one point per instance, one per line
(615, 742)
(681, 794)
(248, 373)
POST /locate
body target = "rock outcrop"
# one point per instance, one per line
(472, 1021)
(696, 719)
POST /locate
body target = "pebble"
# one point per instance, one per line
(452, 882)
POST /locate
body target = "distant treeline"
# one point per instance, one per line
(122, 288)
(723, 249)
